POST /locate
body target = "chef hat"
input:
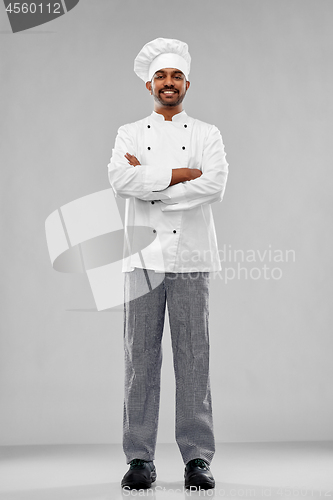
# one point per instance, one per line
(162, 53)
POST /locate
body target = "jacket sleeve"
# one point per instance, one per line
(141, 181)
(207, 188)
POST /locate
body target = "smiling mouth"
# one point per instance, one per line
(168, 92)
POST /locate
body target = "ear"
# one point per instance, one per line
(187, 84)
(148, 86)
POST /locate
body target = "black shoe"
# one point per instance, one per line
(198, 475)
(140, 475)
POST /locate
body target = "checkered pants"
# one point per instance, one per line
(187, 296)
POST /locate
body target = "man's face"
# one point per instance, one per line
(168, 86)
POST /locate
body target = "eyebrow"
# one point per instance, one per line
(174, 72)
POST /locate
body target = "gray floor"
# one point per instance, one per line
(93, 472)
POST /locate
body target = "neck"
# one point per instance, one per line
(167, 112)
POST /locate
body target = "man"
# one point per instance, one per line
(170, 168)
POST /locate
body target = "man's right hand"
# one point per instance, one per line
(194, 173)
(184, 174)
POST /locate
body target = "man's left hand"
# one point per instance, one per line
(132, 160)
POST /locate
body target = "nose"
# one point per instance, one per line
(168, 81)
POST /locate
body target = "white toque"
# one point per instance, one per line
(162, 53)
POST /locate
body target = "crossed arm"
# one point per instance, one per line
(177, 189)
(178, 174)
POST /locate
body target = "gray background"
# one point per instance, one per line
(262, 73)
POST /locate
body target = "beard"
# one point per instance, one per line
(169, 104)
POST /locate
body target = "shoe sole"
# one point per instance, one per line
(143, 485)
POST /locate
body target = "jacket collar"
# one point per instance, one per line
(179, 117)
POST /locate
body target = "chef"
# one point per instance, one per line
(170, 168)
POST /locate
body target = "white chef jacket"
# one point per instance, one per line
(178, 219)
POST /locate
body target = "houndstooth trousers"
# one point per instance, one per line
(187, 296)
